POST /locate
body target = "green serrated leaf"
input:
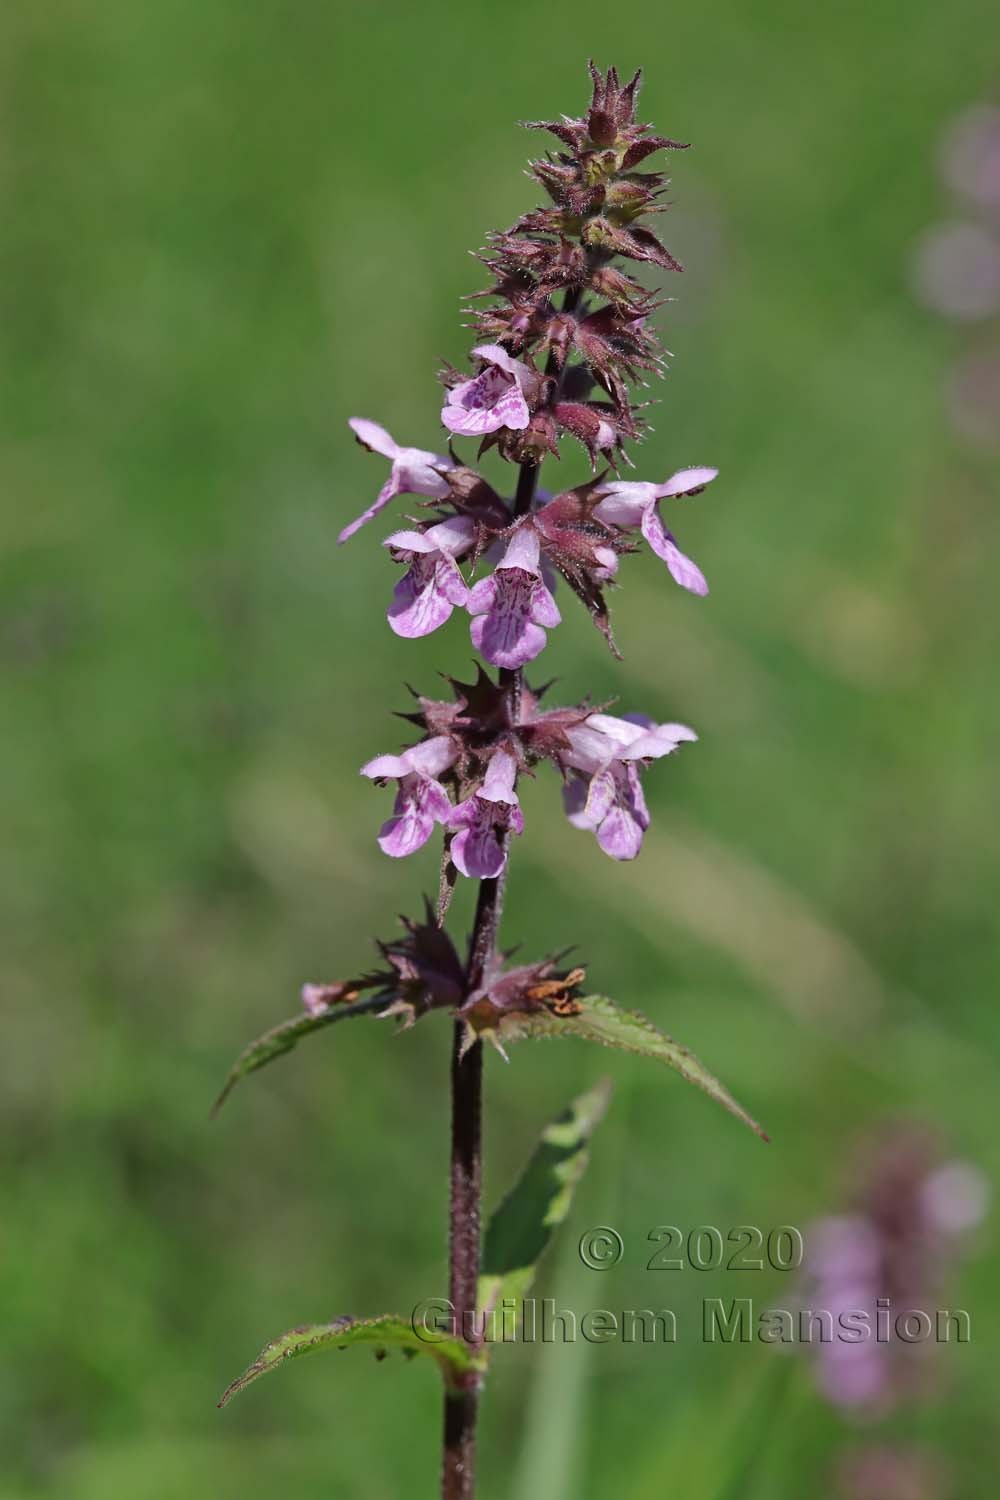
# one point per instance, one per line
(281, 1039)
(520, 1230)
(455, 1358)
(600, 1020)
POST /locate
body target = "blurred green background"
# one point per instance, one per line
(226, 229)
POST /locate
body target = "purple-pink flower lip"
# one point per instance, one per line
(497, 397)
(414, 471)
(429, 758)
(453, 536)
(686, 482)
(513, 608)
(498, 783)
(636, 737)
(421, 800)
(523, 550)
(433, 586)
(483, 821)
(604, 794)
(635, 503)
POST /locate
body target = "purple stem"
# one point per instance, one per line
(458, 1478)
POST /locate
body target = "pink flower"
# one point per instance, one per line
(846, 1277)
(513, 606)
(497, 397)
(971, 155)
(421, 800)
(870, 1268)
(427, 593)
(604, 795)
(484, 821)
(954, 1198)
(627, 505)
(413, 472)
(956, 271)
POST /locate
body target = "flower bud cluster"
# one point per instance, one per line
(566, 334)
(556, 293)
(423, 972)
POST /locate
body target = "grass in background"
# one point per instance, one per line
(227, 229)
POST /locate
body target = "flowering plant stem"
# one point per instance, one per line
(557, 297)
(458, 1475)
(458, 1470)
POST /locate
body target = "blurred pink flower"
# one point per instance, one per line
(956, 271)
(885, 1260)
(891, 1472)
(970, 155)
(974, 398)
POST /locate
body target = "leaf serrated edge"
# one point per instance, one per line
(284, 1038)
(543, 1027)
(455, 1359)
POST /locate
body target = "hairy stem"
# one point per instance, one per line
(458, 1480)
(460, 1407)
(458, 1471)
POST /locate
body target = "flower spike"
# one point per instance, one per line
(563, 335)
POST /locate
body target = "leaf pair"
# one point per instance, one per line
(520, 1230)
(594, 1019)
